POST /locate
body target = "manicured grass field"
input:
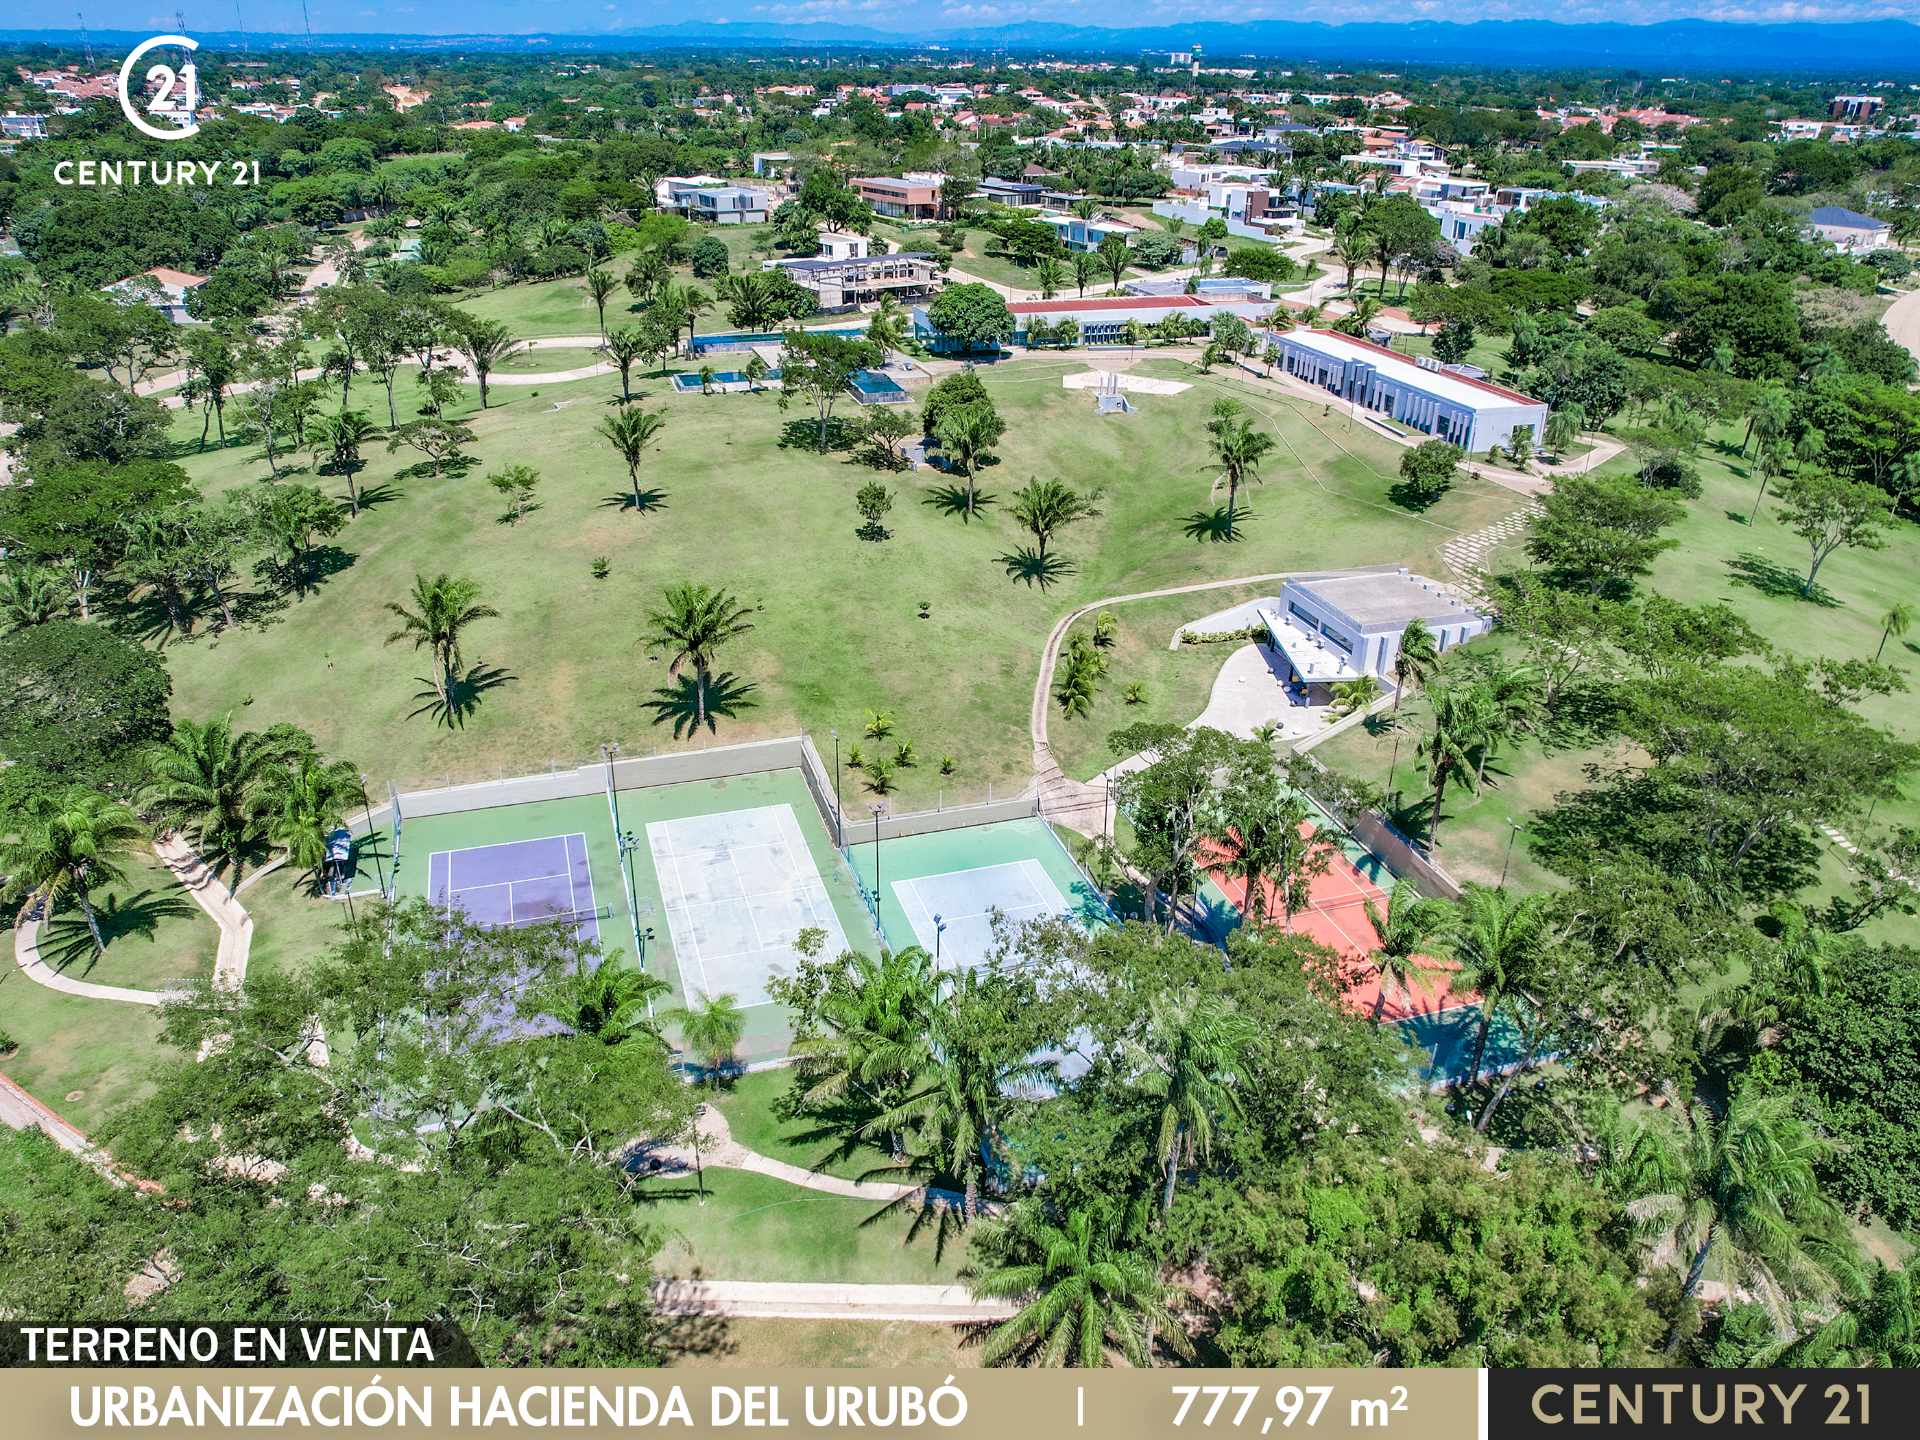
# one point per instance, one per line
(85, 1058)
(155, 932)
(749, 1107)
(1178, 681)
(836, 629)
(544, 361)
(1756, 570)
(756, 1228)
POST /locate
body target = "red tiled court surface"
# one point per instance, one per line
(1336, 918)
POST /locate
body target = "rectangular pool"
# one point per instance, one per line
(872, 387)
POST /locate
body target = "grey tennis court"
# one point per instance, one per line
(739, 887)
(519, 882)
(952, 913)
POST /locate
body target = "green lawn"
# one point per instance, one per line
(548, 360)
(156, 933)
(291, 926)
(85, 1058)
(748, 1106)
(836, 629)
(1756, 570)
(1178, 682)
(755, 1228)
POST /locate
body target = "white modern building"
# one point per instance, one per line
(1344, 625)
(1418, 393)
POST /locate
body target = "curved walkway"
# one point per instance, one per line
(228, 914)
(719, 1148)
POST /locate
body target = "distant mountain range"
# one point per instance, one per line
(1876, 49)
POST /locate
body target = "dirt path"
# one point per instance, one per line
(792, 1300)
(719, 1148)
(1903, 321)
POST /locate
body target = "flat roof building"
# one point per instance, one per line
(1343, 625)
(1473, 414)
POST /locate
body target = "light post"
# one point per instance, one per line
(879, 811)
(1513, 833)
(839, 810)
(939, 929)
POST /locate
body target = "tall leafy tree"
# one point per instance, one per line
(209, 782)
(1187, 1062)
(630, 432)
(1239, 450)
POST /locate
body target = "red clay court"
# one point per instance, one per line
(1334, 917)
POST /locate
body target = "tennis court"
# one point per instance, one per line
(519, 882)
(739, 887)
(941, 891)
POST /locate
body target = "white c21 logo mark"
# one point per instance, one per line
(177, 93)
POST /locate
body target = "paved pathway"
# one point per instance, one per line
(1903, 321)
(1466, 555)
(791, 1300)
(719, 1148)
(26, 954)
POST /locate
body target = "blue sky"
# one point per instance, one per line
(591, 16)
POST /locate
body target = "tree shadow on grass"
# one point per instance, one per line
(66, 942)
(1770, 577)
(842, 434)
(1030, 565)
(451, 468)
(463, 695)
(372, 497)
(1416, 498)
(645, 503)
(1215, 526)
(952, 500)
(679, 703)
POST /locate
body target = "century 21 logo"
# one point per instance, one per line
(176, 94)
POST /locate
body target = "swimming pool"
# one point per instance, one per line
(874, 387)
(686, 383)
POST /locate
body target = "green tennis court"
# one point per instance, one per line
(723, 874)
(940, 891)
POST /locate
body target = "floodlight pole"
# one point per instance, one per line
(1513, 833)
(878, 811)
(839, 805)
(939, 929)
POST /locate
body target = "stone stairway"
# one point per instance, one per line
(1467, 555)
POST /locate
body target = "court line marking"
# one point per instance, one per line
(796, 877)
(564, 837)
(1024, 867)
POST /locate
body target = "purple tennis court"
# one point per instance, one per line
(519, 882)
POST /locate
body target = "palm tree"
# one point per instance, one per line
(1878, 1330)
(630, 432)
(1045, 507)
(1410, 924)
(72, 845)
(601, 285)
(484, 343)
(1564, 424)
(695, 622)
(609, 1001)
(1769, 415)
(1091, 1295)
(1238, 448)
(966, 433)
(207, 781)
(1741, 1189)
(1085, 267)
(1114, 255)
(626, 345)
(888, 328)
(649, 271)
(303, 802)
(874, 1022)
(712, 1030)
(443, 607)
(341, 436)
(32, 595)
(1493, 937)
(1897, 621)
(951, 1112)
(1049, 274)
(683, 304)
(1448, 748)
(1188, 1063)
